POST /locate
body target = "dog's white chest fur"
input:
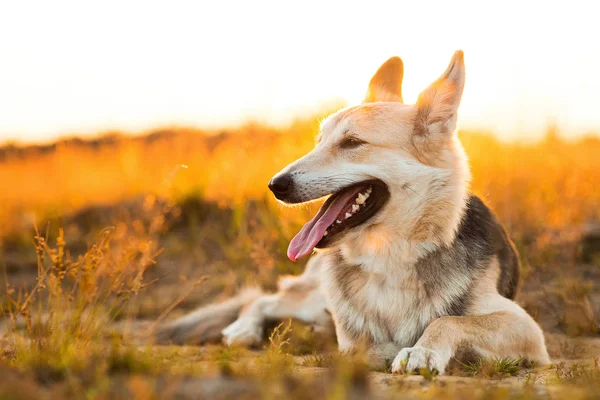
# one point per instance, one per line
(376, 306)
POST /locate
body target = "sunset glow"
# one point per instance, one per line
(73, 68)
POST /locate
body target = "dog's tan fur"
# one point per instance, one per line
(372, 279)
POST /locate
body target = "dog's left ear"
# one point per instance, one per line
(386, 84)
(437, 105)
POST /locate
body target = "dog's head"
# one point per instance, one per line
(382, 162)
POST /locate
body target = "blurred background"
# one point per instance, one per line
(161, 123)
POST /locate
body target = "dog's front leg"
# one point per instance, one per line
(508, 333)
(378, 355)
(381, 354)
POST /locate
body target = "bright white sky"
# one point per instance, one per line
(69, 67)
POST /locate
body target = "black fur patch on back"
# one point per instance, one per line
(501, 246)
(480, 237)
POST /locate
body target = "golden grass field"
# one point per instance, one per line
(102, 238)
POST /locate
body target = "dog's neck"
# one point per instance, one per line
(418, 220)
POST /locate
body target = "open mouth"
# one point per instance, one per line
(344, 210)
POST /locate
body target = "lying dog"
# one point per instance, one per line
(407, 260)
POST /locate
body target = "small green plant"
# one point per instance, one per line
(493, 368)
(428, 374)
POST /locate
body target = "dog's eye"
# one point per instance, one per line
(351, 143)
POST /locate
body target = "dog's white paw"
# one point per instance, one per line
(243, 332)
(412, 359)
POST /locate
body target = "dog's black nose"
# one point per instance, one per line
(281, 186)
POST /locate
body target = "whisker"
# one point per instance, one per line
(406, 186)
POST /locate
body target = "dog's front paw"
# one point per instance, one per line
(415, 358)
(243, 332)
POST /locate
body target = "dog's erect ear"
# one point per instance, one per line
(437, 105)
(386, 84)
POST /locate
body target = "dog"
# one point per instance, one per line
(407, 260)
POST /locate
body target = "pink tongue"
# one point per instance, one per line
(311, 233)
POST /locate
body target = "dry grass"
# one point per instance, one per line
(138, 233)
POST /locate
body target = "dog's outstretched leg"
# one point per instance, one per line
(298, 297)
(206, 323)
(507, 331)
(240, 320)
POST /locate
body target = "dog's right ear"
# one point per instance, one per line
(437, 105)
(386, 84)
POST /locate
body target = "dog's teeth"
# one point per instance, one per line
(360, 199)
(367, 195)
(348, 215)
(369, 190)
(337, 221)
(355, 208)
(326, 233)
